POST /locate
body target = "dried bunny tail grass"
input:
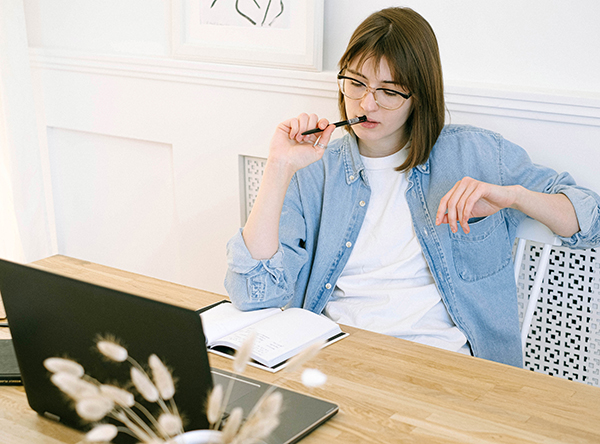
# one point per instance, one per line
(62, 365)
(162, 377)
(94, 408)
(242, 357)
(170, 424)
(304, 356)
(214, 403)
(112, 350)
(144, 385)
(118, 395)
(271, 405)
(102, 433)
(232, 425)
(73, 386)
(312, 378)
(263, 421)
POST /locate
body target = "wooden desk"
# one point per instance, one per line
(388, 390)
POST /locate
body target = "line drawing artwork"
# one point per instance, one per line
(256, 13)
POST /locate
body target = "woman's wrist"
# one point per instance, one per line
(280, 170)
(519, 196)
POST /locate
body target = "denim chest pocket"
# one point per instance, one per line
(482, 252)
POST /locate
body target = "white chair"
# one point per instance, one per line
(532, 230)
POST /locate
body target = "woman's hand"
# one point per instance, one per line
(290, 149)
(472, 198)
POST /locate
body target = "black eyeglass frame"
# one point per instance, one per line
(368, 89)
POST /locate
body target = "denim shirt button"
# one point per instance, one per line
(362, 203)
(351, 178)
(348, 244)
(328, 286)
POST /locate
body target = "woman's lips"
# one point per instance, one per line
(369, 124)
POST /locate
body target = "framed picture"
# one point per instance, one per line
(273, 33)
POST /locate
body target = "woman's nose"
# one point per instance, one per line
(368, 102)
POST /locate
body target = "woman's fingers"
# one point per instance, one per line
(293, 125)
(325, 136)
(470, 198)
(304, 123)
(474, 193)
(457, 204)
(447, 209)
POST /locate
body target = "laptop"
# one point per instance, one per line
(56, 316)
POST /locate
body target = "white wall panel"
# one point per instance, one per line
(107, 26)
(114, 201)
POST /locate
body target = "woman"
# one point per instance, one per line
(403, 226)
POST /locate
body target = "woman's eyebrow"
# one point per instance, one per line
(389, 82)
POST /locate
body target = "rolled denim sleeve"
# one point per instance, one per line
(518, 169)
(587, 208)
(253, 284)
(248, 279)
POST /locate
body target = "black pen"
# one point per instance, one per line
(342, 123)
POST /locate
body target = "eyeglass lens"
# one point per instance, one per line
(386, 98)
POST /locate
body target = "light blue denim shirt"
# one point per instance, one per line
(325, 206)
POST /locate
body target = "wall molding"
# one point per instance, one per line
(569, 108)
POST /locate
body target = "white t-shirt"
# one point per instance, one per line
(387, 286)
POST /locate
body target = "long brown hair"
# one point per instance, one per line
(407, 42)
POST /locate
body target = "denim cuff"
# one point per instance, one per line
(586, 209)
(241, 261)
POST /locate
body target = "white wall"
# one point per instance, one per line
(143, 149)
(534, 44)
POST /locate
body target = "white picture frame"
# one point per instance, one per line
(270, 33)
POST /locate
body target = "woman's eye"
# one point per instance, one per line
(356, 83)
(389, 92)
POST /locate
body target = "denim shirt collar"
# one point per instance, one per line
(353, 165)
(424, 167)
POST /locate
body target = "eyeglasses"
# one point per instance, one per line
(384, 97)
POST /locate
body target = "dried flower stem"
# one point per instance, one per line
(217, 425)
(159, 399)
(126, 430)
(135, 417)
(131, 414)
(174, 409)
(144, 434)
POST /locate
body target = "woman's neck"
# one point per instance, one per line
(380, 148)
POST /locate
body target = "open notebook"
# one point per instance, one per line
(52, 315)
